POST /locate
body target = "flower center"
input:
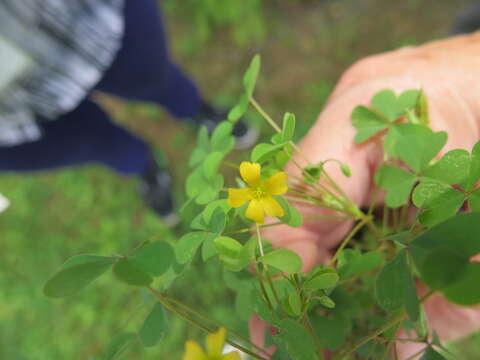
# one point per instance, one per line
(259, 192)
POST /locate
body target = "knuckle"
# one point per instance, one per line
(361, 69)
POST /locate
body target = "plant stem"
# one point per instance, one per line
(259, 239)
(265, 115)
(384, 218)
(372, 227)
(414, 356)
(309, 327)
(231, 165)
(316, 185)
(269, 279)
(213, 322)
(326, 217)
(258, 273)
(250, 229)
(348, 238)
(377, 332)
(275, 295)
(262, 287)
(390, 344)
(387, 326)
(186, 317)
(301, 200)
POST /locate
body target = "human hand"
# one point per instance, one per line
(448, 71)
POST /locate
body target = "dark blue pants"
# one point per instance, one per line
(141, 71)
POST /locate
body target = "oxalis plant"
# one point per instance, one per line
(349, 308)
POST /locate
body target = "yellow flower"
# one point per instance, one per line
(214, 343)
(259, 193)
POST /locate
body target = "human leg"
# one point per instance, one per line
(143, 70)
(85, 135)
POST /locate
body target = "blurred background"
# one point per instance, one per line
(305, 45)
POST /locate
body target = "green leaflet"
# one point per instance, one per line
(73, 278)
(188, 244)
(284, 260)
(251, 75)
(452, 168)
(394, 287)
(367, 123)
(445, 244)
(397, 182)
(292, 216)
(118, 344)
(129, 273)
(153, 258)
(352, 262)
(263, 152)
(154, 327)
(296, 340)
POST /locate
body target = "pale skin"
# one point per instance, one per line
(449, 73)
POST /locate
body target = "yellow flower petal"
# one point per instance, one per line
(238, 197)
(215, 343)
(277, 184)
(193, 351)
(272, 207)
(250, 173)
(234, 355)
(255, 211)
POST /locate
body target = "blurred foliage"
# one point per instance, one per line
(244, 19)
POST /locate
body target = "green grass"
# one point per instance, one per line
(306, 46)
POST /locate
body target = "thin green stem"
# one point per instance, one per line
(395, 320)
(262, 287)
(244, 230)
(327, 217)
(307, 218)
(230, 164)
(309, 327)
(274, 125)
(390, 344)
(265, 115)
(300, 200)
(373, 202)
(316, 185)
(384, 218)
(404, 216)
(348, 238)
(269, 279)
(336, 187)
(213, 322)
(275, 295)
(259, 239)
(372, 227)
(315, 202)
(192, 321)
(377, 332)
(296, 192)
(414, 356)
(258, 273)
(409, 340)
(395, 219)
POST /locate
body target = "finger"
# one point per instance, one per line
(420, 61)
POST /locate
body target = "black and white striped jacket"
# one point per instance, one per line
(52, 52)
